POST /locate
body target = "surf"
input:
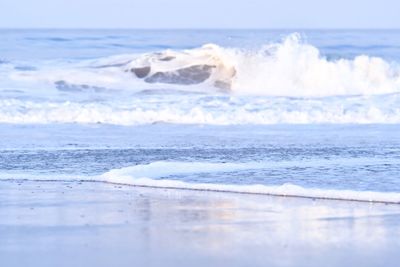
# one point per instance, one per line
(286, 82)
(290, 68)
(161, 174)
(151, 175)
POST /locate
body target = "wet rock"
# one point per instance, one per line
(141, 72)
(191, 75)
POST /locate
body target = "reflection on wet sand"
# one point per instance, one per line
(106, 224)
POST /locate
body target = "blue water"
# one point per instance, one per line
(87, 44)
(319, 109)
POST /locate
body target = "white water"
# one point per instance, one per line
(286, 82)
(154, 175)
(215, 110)
(148, 175)
(291, 68)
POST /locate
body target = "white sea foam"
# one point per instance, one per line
(152, 175)
(204, 110)
(294, 68)
(148, 176)
(164, 168)
(290, 68)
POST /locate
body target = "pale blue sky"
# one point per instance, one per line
(199, 14)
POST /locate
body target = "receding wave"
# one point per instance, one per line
(147, 176)
(161, 175)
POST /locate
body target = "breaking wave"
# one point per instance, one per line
(291, 68)
(286, 82)
(204, 109)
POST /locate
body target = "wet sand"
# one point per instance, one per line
(97, 224)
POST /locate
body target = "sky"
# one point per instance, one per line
(293, 14)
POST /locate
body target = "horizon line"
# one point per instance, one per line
(198, 28)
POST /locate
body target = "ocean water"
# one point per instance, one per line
(311, 113)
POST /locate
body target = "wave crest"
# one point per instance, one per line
(290, 68)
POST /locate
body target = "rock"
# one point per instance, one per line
(191, 75)
(141, 72)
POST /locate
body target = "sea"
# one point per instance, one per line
(300, 113)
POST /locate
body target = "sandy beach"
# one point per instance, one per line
(98, 224)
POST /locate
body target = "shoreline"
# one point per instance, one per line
(227, 191)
